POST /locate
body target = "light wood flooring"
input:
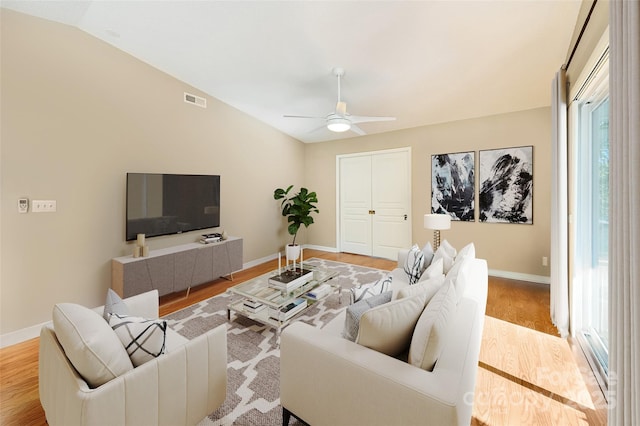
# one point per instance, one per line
(527, 374)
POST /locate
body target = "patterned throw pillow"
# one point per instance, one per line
(144, 339)
(414, 264)
(365, 291)
(355, 311)
(114, 305)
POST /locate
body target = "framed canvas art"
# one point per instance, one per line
(506, 185)
(453, 185)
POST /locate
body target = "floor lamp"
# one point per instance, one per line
(437, 222)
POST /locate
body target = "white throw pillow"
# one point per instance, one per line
(365, 291)
(447, 258)
(388, 328)
(414, 265)
(434, 270)
(446, 246)
(459, 275)
(467, 251)
(143, 339)
(427, 250)
(432, 327)
(430, 287)
(89, 343)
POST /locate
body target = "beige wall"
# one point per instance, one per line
(77, 114)
(510, 248)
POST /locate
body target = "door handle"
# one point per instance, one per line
(372, 212)
(405, 217)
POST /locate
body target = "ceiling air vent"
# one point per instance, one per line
(195, 100)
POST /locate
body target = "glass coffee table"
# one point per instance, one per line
(264, 302)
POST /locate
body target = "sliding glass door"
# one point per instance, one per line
(591, 222)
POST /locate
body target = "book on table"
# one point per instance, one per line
(289, 310)
(291, 279)
(320, 291)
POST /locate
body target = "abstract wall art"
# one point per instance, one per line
(506, 185)
(453, 185)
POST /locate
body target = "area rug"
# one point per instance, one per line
(253, 356)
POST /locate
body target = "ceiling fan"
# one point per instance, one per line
(340, 120)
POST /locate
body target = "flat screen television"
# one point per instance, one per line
(164, 204)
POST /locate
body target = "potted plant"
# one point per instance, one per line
(297, 208)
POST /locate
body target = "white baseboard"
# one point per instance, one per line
(21, 335)
(539, 279)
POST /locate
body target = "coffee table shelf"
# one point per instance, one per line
(258, 290)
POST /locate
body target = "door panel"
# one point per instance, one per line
(355, 203)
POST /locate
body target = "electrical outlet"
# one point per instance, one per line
(23, 205)
(545, 261)
(44, 206)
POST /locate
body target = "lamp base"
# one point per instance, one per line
(436, 239)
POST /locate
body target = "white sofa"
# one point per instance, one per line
(329, 380)
(180, 387)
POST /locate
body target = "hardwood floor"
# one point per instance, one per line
(526, 375)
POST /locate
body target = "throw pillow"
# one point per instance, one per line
(467, 251)
(114, 305)
(354, 313)
(414, 264)
(365, 291)
(436, 269)
(90, 344)
(447, 258)
(427, 250)
(430, 331)
(459, 276)
(388, 328)
(446, 246)
(143, 339)
(430, 287)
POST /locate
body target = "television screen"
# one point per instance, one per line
(163, 204)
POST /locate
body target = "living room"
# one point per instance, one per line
(78, 114)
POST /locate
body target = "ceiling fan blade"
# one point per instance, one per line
(357, 130)
(324, 126)
(366, 119)
(302, 116)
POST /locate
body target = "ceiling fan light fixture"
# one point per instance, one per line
(338, 124)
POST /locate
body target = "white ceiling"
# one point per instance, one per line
(423, 62)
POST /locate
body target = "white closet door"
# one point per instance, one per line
(375, 203)
(355, 204)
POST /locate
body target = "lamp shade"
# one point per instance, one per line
(437, 221)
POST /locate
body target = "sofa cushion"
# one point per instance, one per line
(388, 328)
(365, 291)
(431, 329)
(89, 343)
(430, 287)
(414, 265)
(114, 305)
(144, 339)
(467, 251)
(354, 313)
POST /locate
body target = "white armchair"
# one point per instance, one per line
(180, 387)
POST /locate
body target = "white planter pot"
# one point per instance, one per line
(292, 252)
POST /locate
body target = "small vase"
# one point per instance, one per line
(293, 252)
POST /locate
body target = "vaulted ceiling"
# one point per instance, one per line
(422, 62)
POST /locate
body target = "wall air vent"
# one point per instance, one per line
(195, 100)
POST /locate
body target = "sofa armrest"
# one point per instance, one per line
(178, 388)
(328, 380)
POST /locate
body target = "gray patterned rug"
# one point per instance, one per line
(253, 392)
